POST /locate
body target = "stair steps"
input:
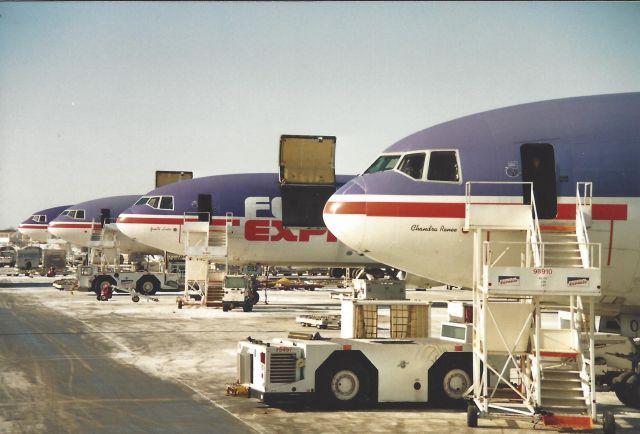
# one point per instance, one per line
(214, 296)
(565, 255)
(561, 391)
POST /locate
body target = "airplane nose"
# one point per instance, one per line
(126, 228)
(79, 236)
(56, 232)
(345, 213)
(36, 234)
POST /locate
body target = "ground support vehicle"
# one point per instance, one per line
(92, 277)
(346, 373)
(54, 258)
(360, 368)
(379, 289)
(28, 258)
(106, 291)
(7, 256)
(319, 321)
(239, 291)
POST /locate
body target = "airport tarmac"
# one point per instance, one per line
(69, 363)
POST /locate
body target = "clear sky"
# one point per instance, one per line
(94, 97)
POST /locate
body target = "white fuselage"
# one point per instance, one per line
(261, 240)
(438, 248)
(79, 234)
(37, 232)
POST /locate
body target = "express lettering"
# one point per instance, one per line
(263, 230)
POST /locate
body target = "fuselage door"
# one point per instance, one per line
(307, 178)
(105, 216)
(539, 167)
(204, 207)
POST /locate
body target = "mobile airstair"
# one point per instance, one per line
(205, 247)
(105, 251)
(524, 268)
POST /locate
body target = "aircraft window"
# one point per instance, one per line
(79, 214)
(65, 212)
(413, 165)
(142, 200)
(154, 201)
(39, 218)
(443, 166)
(384, 162)
(166, 202)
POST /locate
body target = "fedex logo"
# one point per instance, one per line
(262, 205)
(272, 230)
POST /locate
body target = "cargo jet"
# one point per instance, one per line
(271, 218)
(408, 209)
(253, 205)
(79, 222)
(35, 227)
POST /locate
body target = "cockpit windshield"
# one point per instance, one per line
(384, 162)
(39, 218)
(157, 202)
(77, 214)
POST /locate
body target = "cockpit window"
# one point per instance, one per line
(142, 200)
(166, 202)
(158, 202)
(413, 165)
(443, 166)
(77, 214)
(39, 218)
(384, 162)
(154, 201)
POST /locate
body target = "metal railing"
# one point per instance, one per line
(535, 235)
(489, 252)
(582, 202)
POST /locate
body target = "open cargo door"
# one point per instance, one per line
(165, 177)
(307, 178)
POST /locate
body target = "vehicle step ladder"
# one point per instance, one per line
(554, 265)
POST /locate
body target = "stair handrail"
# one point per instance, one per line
(585, 362)
(97, 233)
(185, 219)
(536, 234)
(535, 239)
(581, 225)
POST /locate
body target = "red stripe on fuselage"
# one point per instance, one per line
(172, 220)
(32, 227)
(74, 225)
(457, 210)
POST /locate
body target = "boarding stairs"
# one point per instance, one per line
(104, 245)
(215, 292)
(561, 247)
(103, 236)
(206, 245)
(561, 388)
(545, 373)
